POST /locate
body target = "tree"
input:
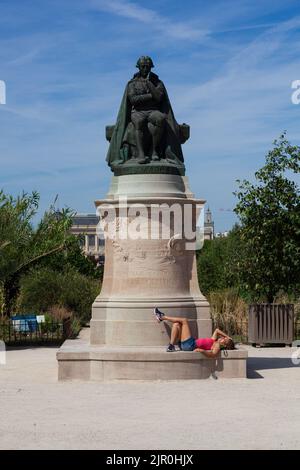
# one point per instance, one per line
(210, 264)
(21, 245)
(218, 262)
(72, 257)
(269, 213)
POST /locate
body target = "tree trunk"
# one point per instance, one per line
(11, 289)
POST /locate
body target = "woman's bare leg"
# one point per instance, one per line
(185, 329)
(175, 333)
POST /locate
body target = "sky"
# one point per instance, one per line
(228, 66)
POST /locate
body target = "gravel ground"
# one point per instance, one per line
(261, 412)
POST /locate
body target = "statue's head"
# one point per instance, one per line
(144, 64)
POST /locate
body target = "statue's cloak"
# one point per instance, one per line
(122, 138)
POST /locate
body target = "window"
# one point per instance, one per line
(91, 240)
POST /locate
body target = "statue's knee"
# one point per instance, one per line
(151, 126)
(138, 124)
(157, 119)
(138, 120)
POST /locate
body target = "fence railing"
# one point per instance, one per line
(271, 323)
(31, 332)
(238, 329)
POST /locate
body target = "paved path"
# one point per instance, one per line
(261, 412)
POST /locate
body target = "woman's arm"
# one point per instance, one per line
(213, 353)
(218, 333)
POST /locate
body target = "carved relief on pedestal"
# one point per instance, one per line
(176, 245)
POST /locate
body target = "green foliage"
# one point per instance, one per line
(210, 264)
(15, 230)
(218, 262)
(72, 257)
(21, 245)
(260, 258)
(229, 312)
(78, 294)
(40, 289)
(75, 327)
(49, 326)
(44, 288)
(269, 213)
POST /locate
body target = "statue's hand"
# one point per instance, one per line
(153, 90)
(150, 85)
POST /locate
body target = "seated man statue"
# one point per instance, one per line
(145, 93)
(146, 129)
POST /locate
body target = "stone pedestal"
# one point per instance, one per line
(149, 261)
(80, 361)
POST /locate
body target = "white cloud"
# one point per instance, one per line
(247, 103)
(145, 15)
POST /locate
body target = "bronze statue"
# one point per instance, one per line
(145, 94)
(146, 131)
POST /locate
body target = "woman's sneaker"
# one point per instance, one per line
(158, 314)
(171, 348)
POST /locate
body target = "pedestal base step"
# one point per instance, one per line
(78, 360)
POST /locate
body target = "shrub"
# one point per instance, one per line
(78, 294)
(218, 263)
(40, 290)
(59, 313)
(229, 312)
(75, 327)
(45, 290)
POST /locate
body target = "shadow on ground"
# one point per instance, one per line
(20, 347)
(255, 364)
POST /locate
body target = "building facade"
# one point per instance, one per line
(92, 245)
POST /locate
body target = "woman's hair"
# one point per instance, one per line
(230, 344)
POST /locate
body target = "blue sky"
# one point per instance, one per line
(228, 66)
